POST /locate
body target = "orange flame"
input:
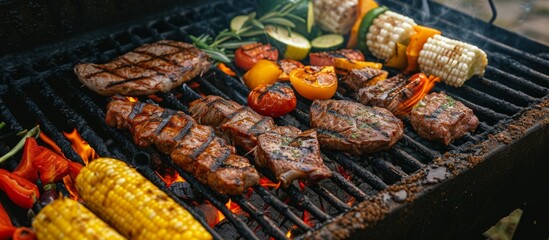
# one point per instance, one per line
(233, 207)
(265, 182)
(51, 143)
(69, 185)
(170, 176)
(132, 99)
(227, 70)
(84, 150)
(289, 233)
(425, 85)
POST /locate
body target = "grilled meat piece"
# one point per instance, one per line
(328, 58)
(191, 146)
(238, 124)
(292, 157)
(359, 78)
(248, 129)
(388, 93)
(354, 128)
(151, 68)
(439, 117)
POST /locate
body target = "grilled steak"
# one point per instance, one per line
(354, 128)
(248, 129)
(191, 146)
(151, 68)
(292, 157)
(439, 117)
(359, 78)
(238, 124)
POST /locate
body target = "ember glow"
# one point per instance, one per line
(84, 150)
(265, 182)
(169, 176)
(69, 185)
(132, 99)
(233, 207)
(424, 86)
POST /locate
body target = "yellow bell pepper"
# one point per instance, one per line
(416, 44)
(314, 82)
(398, 60)
(364, 6)
(263, 72)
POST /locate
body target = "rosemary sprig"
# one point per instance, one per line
(222, 46)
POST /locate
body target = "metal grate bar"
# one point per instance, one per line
(304, 201)
(484, 111)
(485, 99)
(329, 197)
(389, 170)
(48, 127)
(281, 207)
(8, 117)
(526, 86)
(350, 188)
(406, 158)
(510, 93)
(415, 145)
(268, 225)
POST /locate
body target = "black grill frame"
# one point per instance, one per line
(504, 106)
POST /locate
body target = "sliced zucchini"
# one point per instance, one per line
(327, 42)
(292, 44)
(237, 22)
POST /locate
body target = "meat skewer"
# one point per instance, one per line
(289, 153)
(151, 68)
(193, 147)
(354, 128)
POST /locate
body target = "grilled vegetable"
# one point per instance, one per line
(346, 65)
(388, 29)
(451, 60)
(364, 6)
(416, 44)
(273, 100)
(335, 16)
(399, 60)
(288, 66)
(25, 168)
(365, 24)
(292, 44)
(314, 82)
(20, 190)
(65, 218)
(328, 58)
(303, 9)
(247, 56)
(34, 132)
(8, 231)
(51, 166)
(133, 205)
(327, 42)
(263, 72)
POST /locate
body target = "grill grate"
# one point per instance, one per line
(42, 89)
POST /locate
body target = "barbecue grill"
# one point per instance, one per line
(418, 189)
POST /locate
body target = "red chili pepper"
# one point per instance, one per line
(52, 167)
(20, 190)
(25, 168)
(6, 227)
(23, 233)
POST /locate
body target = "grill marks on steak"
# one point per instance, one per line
(292, 157)
(354, 128)
(151, 68)
(371, 88)
(248, 129)
(439, 117)
(193, 147)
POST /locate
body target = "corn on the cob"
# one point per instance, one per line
(388, 29)
(65, 218)
(133, 205)
(335, 16)
(451, 60)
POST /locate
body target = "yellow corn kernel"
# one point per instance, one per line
(65, 218)
(133, 205)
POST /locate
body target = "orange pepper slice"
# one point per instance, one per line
(314, 82)
(416, 44)
(263, 72)
(364, 6)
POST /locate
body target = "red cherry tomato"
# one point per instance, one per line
(273, 100)
(246, 56)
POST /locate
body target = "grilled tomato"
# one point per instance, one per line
(314, 82)
(246, 56)
(273, 100)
